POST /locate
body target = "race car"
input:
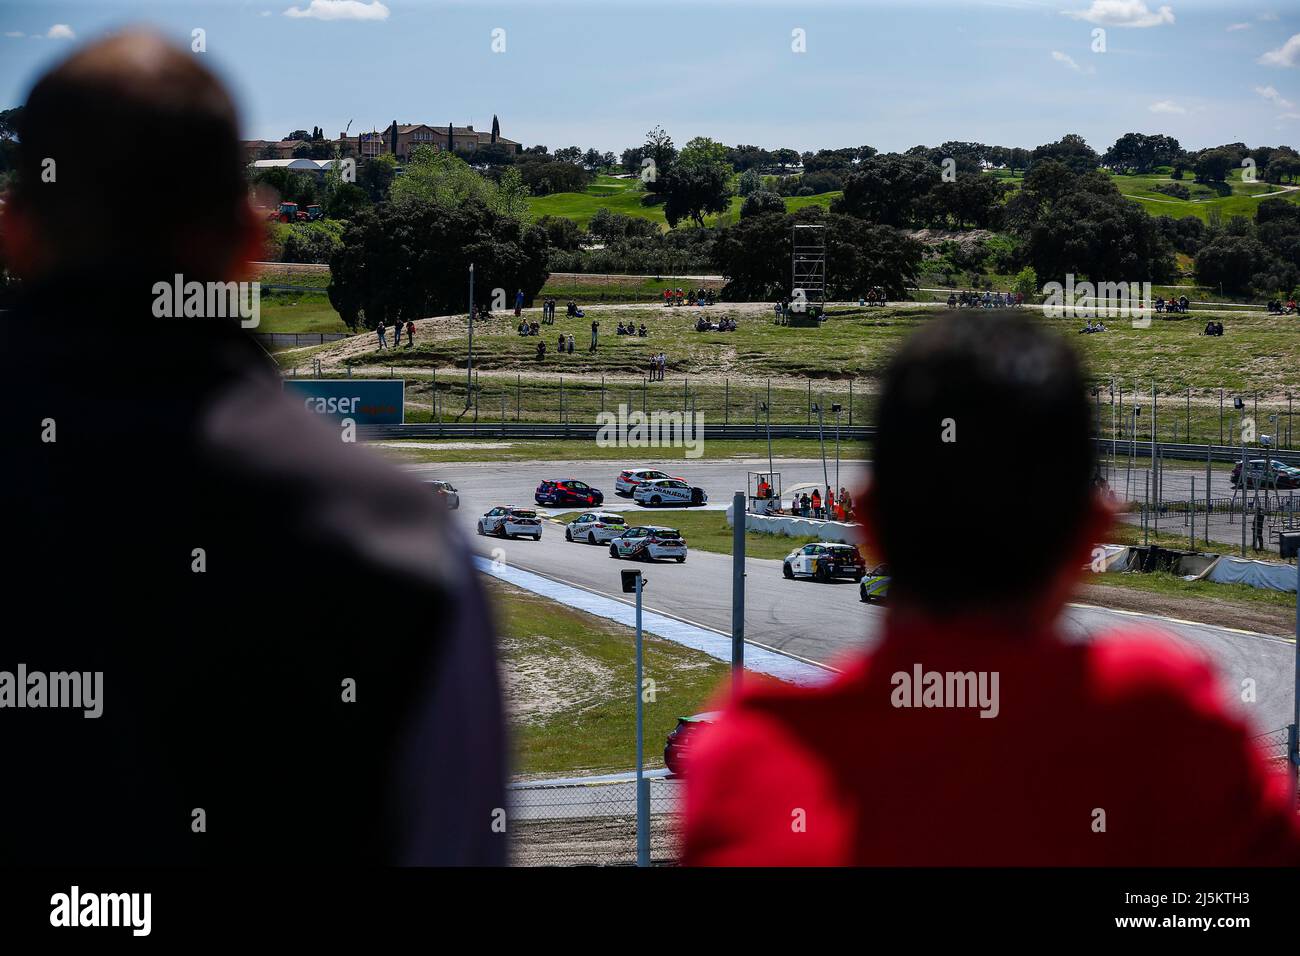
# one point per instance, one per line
(649, 542)
(568, 491)
(875, 586)
(595, 527)
(1267, 474)
(511, 523)
(822, 561)
(668, 491)
(677, 748)
(627, 481)
(444, 490)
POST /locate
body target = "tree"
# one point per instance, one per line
(376, 176)
(440, 178)
(761, 202)
(1071, 151)
(562, 231)
(1229, 262)
(749, 182)
(1212, 165)
(702, 151)
(299, 134)
(1140, 153)
(407, 261)
(659, 149)
(510, 198)
(496, 129)
(755, 253)
(692, 190)
(885, 189)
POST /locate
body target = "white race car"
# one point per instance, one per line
(649, 542)
(511, 523)
(595, 527)
(668, 491)
(444, 490)
(822, 561)
(628, 480)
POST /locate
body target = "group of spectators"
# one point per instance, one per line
(1275, 307)
(382, 334)
(689, 297)
(528, 328)
(1179, 304)
(1098, 326)
(1213, 328)
(988, 300)
(875, 296)
(830, 508)
(631, 329)
(723, 325)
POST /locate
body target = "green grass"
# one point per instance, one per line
(586, 664)
(283, 311)
(1173, 586)
(420, 452)
(709, 531)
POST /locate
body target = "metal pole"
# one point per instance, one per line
(1192, 516)
(642, 784)
(469, 361)
(1293, 735)
(821, 438)
(850, 403)
(1146, 507)
(739, 519)
(837, 451)
(1242, 483)
(726, 402)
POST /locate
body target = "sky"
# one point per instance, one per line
(772, 73)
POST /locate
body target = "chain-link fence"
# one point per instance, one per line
(591, 823)
(1273, 745)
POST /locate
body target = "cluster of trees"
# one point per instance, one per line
(408, 256)
(1257, 257)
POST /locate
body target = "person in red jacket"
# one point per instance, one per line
(974, 733)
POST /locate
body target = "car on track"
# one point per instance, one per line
(824, 560)
(511, 523)
(595, 527)
(445, 491)
(1267, 474)
(650, 542)
(677, 747)
(568, 491)
(874, 588)
(668, 491)
(628, 480)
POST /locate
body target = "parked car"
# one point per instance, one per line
(628, 479)
(444, 490)
(668, 491)
(823, 561)
(651, 542)
(874, 588)
(1267, 474)
(511, 523)
(677, 748)
(595, 527)
(568, 491)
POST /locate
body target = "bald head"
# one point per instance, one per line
(130, 159)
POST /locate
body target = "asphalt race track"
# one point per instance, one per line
(817, 622)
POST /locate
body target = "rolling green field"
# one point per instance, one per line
(624, 196)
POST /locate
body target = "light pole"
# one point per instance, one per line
(821, 438)
(836, 408)
(767, 409)
(469, 361)
(633, 583)
(1240, 406)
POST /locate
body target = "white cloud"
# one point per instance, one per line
(340, 10)
(1123, 13)
(1289, 116)
(60, 31)
(1238, 26)
(1267, 16)
(265, 13)
(1288, 54)
(1068, 60)
(15, 33)
(1274, 97)
(1166, 106)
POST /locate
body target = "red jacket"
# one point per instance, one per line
(1128, 734)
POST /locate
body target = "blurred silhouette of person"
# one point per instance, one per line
(223, 544)
(974, 733)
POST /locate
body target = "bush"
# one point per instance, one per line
(310, 241)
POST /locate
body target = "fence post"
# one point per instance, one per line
(850, 403)
(726, 402)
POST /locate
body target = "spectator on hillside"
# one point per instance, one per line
(541, 350)
(816, 503)
(1049, 737)
(595, 328)
(212, 697)
(383, 337)
(642, 331)
(805, 505)
(952, 301)
(570, 344)
(519, 302)
(410, 333)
